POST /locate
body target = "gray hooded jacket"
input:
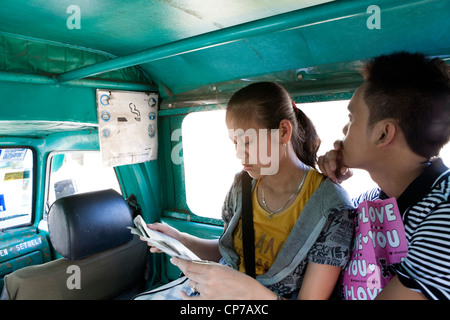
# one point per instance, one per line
(322, 234)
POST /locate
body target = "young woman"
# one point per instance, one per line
(302, 221)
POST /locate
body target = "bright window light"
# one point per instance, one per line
(329, 118)
(210, 162)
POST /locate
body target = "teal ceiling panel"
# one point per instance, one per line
(328, 32)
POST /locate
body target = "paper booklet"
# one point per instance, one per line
(165, 243)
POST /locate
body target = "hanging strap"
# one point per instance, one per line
(248, 232)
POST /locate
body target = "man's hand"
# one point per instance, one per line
(331, 164)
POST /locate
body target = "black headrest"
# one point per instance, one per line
(84, 224)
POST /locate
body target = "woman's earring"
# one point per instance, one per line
(285, 150)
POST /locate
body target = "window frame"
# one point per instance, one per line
(34, 186)
(174, 194)
(48, 167)
(234, 168)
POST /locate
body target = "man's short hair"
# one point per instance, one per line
(413, 90)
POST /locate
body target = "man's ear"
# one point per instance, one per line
(385, 132)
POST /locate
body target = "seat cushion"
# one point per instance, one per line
(105, 275)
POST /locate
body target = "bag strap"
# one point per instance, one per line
(248, 232)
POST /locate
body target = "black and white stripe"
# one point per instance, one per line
(427, 228)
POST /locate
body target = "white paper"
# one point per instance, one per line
(163, 242)
(127, 126)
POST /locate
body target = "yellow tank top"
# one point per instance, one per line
(272, 233)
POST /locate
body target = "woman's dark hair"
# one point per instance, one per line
(267, 103)
(414, 90)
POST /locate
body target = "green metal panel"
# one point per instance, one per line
(20, 249)
(122, 28)
(323, 39)
(178, 169)
(164, 158)
(172, 173)
(30, 56)
(47, 103)
(318, 35)
(143, 181)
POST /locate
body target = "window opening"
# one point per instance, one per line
(16, 187)
(75, 172)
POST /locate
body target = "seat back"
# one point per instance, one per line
(101, 259)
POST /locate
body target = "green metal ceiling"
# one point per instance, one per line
(188, 47)
(123, 27)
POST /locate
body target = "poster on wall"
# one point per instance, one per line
(127, 126)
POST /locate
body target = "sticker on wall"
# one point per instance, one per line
(127, 126)
(17, 175)
(2, 203)
(12, 154)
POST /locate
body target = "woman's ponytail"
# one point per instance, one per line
(305, 140)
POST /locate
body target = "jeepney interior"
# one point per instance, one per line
(63, 205)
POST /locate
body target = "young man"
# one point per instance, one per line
(398, 122)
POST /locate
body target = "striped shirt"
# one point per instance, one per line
(425, 210)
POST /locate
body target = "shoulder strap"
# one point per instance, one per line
(248, 232)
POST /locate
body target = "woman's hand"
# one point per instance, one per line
(167, 230)
(203, 248)
(214, 281)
